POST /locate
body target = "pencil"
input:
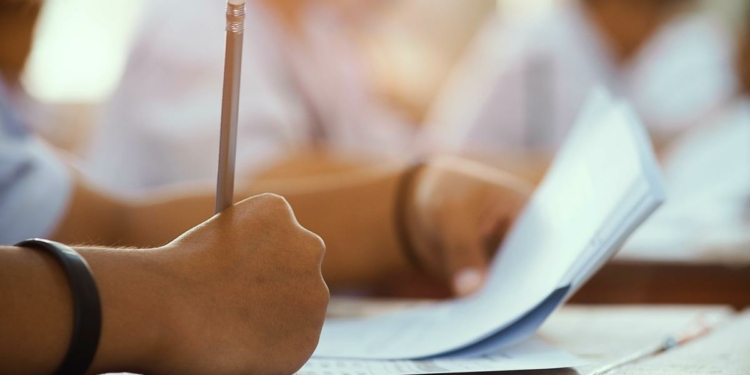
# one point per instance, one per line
(230, 104)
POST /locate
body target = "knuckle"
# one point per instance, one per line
(325, 293)
(316, 301)
(326, 299)
(317, 297)
(261, 198)
(275, 210)
(315, 242)
(273, 200)
(314, 248)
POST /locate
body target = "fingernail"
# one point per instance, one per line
(468, 281)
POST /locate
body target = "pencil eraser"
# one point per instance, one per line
(236, 2)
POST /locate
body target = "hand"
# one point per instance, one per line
(250, 292)
(459, 213)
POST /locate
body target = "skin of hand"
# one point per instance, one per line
(458, 215)
(251, 290)
(241, 293)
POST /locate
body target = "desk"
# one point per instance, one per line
(619, 339)
(684, 277)
(672, 276)
(623, 340)
(724, 352)
(613, 337)
(630, 281)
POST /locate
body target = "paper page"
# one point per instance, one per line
(533, 354)
(722, 352)
(602, 185)
(515, 333)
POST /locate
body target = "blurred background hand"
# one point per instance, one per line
(459, 214)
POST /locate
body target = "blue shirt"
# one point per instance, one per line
(35, 185)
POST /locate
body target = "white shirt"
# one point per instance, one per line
(522, 86)
(162, 124)
(707, 177)
(35, 186)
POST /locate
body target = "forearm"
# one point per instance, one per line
(37, 315)
(349, 206)
(352, 211)
(93, 217)
(355, 219)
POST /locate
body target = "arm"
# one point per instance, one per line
(352, 210)
(174, 309)
(38, 314)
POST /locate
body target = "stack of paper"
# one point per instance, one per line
(532, 354)
(604, 182)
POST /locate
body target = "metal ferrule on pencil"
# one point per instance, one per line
(236, 18)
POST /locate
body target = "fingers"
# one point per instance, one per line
(465, 258)
(301, 247)
(318, 246)
(279, 216)
(472, 208)
(497, 220)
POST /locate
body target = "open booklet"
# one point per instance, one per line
(603, 184)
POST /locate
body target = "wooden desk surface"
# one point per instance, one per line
(697, 276)
(647, 282)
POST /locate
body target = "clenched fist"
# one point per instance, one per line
(249, 287)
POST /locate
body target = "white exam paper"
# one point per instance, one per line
(603, 184)
(533, 354)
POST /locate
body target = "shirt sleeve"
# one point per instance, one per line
(35, 188)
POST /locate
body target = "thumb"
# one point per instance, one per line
(465, 261)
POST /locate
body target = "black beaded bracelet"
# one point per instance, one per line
(87, 316)
(403, 192)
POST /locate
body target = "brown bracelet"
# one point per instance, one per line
(403, 190)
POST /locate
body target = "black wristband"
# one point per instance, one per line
(87, 316)
(403, 192)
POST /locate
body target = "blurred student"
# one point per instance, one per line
(345, 207)
(523, 83)
(354, 210)
(707, 172)
(303, 86)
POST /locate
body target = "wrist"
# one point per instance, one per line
(408, 217)
(136, 308)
